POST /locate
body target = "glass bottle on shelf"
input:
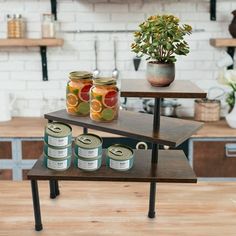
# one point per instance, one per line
(15, 26)
(104, 100)
(48, 26)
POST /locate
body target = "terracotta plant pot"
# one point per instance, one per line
(160, 75)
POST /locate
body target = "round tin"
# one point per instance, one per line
(57, 164)
(88, 164)
(57, 153)
(88, 146)
(58, 134)
(120, 157)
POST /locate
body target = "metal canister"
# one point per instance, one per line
(120, 157)
(57, 153)
(88, 146)
(58, 134)
(57, 164)
(88, 164)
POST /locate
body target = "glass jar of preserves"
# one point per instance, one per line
(104, 100)
(77, 93)
(15, 26)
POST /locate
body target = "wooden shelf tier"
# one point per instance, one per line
(178, 89)
(223, 42)
(31, 42)
(172, 167)
(136, 125)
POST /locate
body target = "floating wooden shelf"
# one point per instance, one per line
(172, 167)
(178, 89)
(31, 42)
(223, 42)
(136, 125)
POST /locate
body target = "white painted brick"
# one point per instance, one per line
(75, 6)
(200, 55)
(11, 85)
(30, 112)
(110, 26)
(37, 66)
(35, 103)
(177, 6)
(42, 85)
(131, 17)
(66, 17)
(58, 94)
(110, 7)
(224, 6)
(3, 56)
(92, 17)
(29, 75)
(196, 75)
(147, 7)
(9, 65)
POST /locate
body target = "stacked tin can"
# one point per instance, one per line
(88, 152)
(57, 146)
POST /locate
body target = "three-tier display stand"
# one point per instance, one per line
(170, 166)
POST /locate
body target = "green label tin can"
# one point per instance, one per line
(58, 134)
(120, 157)
(56, 152)
(88, 146)
(88, 164)
(57, 164)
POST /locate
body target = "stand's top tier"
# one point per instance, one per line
(178, 89)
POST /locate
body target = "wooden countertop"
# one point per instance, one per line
(34, 127)
(89, 208)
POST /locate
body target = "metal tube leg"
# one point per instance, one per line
(52, 189)
(36, 204)
(57, 188)
(152, 198)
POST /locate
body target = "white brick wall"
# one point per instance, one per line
(20, 68)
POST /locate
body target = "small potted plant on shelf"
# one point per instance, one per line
(161, 38)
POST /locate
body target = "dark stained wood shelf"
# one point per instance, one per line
(172, 167)
(136, 125)
(178, 89)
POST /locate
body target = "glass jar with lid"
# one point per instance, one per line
(77, 93)
(48, 26)
(104, 100)
(15, 26)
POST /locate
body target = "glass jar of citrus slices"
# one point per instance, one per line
(104, 100)
(77, 93)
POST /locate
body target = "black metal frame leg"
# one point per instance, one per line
(36, 205)
(155, 147)
(54, 188)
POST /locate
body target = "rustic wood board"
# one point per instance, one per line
(178, 89)
(136, 125)
(173, 166)
(120, 209)
(223, 42)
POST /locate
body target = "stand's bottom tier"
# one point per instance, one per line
(172, 167)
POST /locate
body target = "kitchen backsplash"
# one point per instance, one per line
(20, 68)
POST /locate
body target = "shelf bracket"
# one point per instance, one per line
(213, 9)
(54, 8)
(43, 52)
(231, 51)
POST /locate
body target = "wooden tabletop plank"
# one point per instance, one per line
(172, 167)
(178, 89)
(136, 125)
(223, 42)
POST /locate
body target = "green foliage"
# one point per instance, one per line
(161, 38)
(230, 99)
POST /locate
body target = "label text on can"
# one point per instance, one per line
(88, 165)
(57, 165)
(57, 142)
(57, 153)
(87, 153)
(119, 165)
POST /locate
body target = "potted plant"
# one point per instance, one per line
(161, 38)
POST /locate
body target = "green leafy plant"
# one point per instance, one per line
(161, 38)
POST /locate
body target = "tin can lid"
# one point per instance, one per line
(75, 75)
(88, 141)
(57, 129)
(120, 152)
(104, 81)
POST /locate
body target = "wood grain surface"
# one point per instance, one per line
(136, 125)
(172, 167)
(178, 89)
(31, 42)
(120, 209)
(223, 42)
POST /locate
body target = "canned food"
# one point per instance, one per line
(88, 146)
(58, 134)
(57, 164)
(88, 164)
(120, 157)
(56, 152)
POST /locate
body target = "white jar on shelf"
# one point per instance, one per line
(48, 26)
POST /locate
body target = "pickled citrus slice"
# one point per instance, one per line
(83, 108)
(71, 100)
(110, 99)
(95, 116)
(84, 92)
(108, 114)
(96, 106)
(71, 110)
